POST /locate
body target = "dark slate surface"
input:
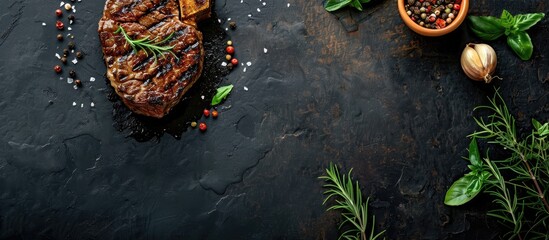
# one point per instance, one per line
(393, 105)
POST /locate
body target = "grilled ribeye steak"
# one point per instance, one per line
(151, 85)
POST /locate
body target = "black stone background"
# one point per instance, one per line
(391, 104)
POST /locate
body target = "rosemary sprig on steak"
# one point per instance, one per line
(147, 44)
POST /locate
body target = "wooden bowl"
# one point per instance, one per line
(433, 32)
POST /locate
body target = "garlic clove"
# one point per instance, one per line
(487, 56)
(472, 64)
(479, 61)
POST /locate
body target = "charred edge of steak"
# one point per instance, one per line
(147, 85)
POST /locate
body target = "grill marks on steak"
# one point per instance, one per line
(147, 85)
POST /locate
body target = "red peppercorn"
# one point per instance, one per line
(230, 50)
(58, 12)
(457, 7)
(234, 61)
(59, 25)
(215, 114)
(203, 127)
(57, 69)
(206, 113)
(428, 9)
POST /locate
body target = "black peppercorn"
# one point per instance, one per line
(64, 60)
(60, 37)
(230, 66)
(72, 74)
(71, 45)
(79, 55)
(65, 52)
(71, 17)
(78, 83)
(232, 25)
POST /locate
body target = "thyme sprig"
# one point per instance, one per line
(148, 45)
(348, 199)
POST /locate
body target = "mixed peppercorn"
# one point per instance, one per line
(71, 46)
(433, 14)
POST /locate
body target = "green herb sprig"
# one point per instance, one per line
(221, 94)
(514, 27)
(332, 5)
(348, 199)
(148, 45)
(519, 183)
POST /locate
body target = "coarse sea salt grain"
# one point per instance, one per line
(265, 50)
(57, 56)
(258, 10)
(249, 15)
(70, 22)
(74, 61)
(75, 87)
(249, 64)
(288, 5)
(92, 79)
(223, 64)
(245, 88)
(69, 28)
(92, 104)
(61, 4)
(264, 3)
(81, 105)
(74, 103)
(241, 1)
(202, 97)
(43, 24)
(244, 70)
(70, 80)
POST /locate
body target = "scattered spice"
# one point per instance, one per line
(59, 25)
(234, 61)
(68, 6)
(71, 45)
(228, 57)
(232, 25)
(194, 124)
(206, 113)
(60, 37)
(58, 12)
(203, 127)
(79, 55)
(230, 66)
(230, 50)
(71, 17)
(57, 69)
(72, 73)
(65, 52)
(215, 114)
(78, 83)
(64, 60)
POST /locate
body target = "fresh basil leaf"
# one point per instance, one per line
(486, 27)
(221, 94)
(526, 21)
(521, 44)
(474, 154)
(507, 20)
(463, 190)
(364, 1)
(332, 5)
(357, 4)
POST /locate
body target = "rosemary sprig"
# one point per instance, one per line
(348, 199)
(520, 197)
(148, 45)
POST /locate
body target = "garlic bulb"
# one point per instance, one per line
(479, 62)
